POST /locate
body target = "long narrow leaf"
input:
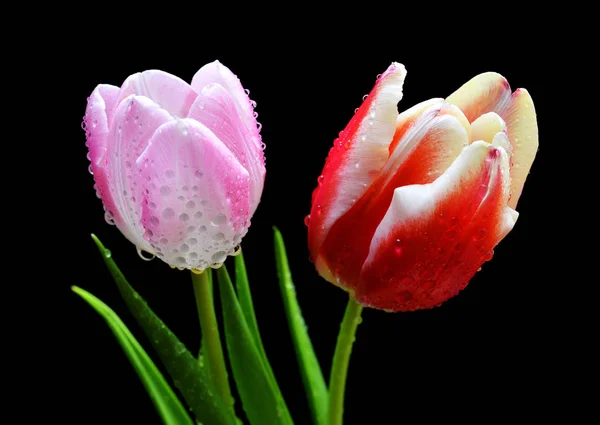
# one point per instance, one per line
(192, 380)
(245, 298)
(166, 402)
(261, 397)
(314, 384)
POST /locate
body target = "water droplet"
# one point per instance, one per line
(148, 234)
(190, 229)
(192, 241)
(202, 229)
(198, 214)
(398, 247)
(199, 173)
(170, 174)
(488, 255)
(404, 297)
(109, 218)
(164, 241)
(365, 97)
(480, 234)
(184, 217)
(307, 220)
(218, 237)
(219, 220)
(407, 281)
(190, 204)
(219, 257)
(165, 190)
(428, 284)
(168, 213)
(180, 260)
(320, 179)
(154, 221)
(184, 247)
(143, 257)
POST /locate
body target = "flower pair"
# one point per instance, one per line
(406, 210)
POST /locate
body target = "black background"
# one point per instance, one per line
(478, 352)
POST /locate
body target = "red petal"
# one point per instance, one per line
(425, 148)
(357, 155)
(435, 237)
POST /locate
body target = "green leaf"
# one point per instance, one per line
(245, 298)
(192, 380)
(260, 395)
(166, 402)
(314, 384)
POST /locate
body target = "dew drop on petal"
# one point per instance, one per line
(219, 220)
(219, 257)
(168, 213)
(144, 257)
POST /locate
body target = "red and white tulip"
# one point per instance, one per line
(179, 167)
(409, 206)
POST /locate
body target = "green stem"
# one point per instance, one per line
(211, 340)
(341, 359)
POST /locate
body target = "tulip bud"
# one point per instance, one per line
(179, 167)
(410, 205)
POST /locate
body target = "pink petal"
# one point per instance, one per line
(486, 92)
(196, 208)
(99, 107)
(135, 121)
(216, 109)
(216, 72)
(168, 91)
(435, 237)
(357, 156)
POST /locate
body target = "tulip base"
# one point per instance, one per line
(341, 360)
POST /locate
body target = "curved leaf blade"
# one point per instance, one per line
(261, 398)
(188, 376)
(312, 377)
(166, 402)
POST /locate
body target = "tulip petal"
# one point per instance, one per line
(434, 237)
(216, 72)
(426, 149)
(168, 91)
(357, 155)
(99, 107)
(134, 122)
(522, 130)
(485, 92)
(215, 108)
(486, 127)
(197, 203)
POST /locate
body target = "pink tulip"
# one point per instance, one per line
(409, 206)
(179, 167)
